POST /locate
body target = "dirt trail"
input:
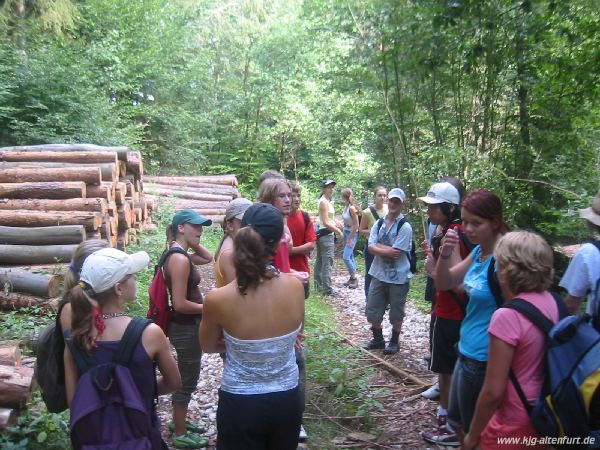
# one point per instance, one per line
(404, 414)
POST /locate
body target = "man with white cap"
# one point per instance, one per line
(583, 274)
(390, 242)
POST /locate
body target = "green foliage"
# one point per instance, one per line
(24, 324)
(37, 429)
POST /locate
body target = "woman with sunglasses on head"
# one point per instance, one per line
(256, 321)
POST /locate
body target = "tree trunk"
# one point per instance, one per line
(120, 151)
(52, 269)
(110, 171)
(23, 218)
(158, 202)
(35, 254)
(10, 353)
(186, 194)
(227, 180)
(72, 204)
(134, 164)
(15, 386)
(190, 185)
(50, 190)
(124, 217)
(89, 175)
(66, 234)
(66, 157)
(105, 190)
(29, 283)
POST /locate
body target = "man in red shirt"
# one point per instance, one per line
(303, 234)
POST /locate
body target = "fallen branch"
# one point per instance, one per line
(390, 367)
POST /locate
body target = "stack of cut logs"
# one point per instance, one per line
(209, 195)
(52, 197)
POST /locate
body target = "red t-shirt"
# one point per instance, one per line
(446, 305)
(282, 256)
(301, 234)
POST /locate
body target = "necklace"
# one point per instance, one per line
(112, 315)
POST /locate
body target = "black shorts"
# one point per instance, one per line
(445, 336)
(260, 421)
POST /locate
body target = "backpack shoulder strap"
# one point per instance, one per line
(130, 338)
(165, 255)
(400, 225)
(493, 283)
(595, 243)
(306, 219)
(379, 224)
(374, 212)
(532, 314)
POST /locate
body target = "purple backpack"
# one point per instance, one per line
(108, 411)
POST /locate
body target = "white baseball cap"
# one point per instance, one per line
(105, 268)
(397, 193)
(441, 193)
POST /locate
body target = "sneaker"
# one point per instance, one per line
(190, 426)
(347, 282)
(189, 440)
(302, 437)
(353, 283)
(375, 344)
(433, 393)
(391, 348)
(442, 435)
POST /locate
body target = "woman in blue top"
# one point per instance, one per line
(483, 225)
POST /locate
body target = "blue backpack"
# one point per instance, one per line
(108, 411)
(569, 404)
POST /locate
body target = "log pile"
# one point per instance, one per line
(47, 190)
(209, 195)
(53, 197)
(16, 383)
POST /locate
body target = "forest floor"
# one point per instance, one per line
(403, 413)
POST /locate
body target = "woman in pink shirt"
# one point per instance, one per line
(524, 262)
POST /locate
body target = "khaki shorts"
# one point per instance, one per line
(383, 294)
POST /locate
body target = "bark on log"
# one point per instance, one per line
(227, 180)
(193, 187)
(124, 217)
(94, 235)
(15, 386)
(216, 218)
(72, 204)
(158, 202)
(134, 164)
(29, 283)
(66, 234)
(51, 269)
(8, 417)
(63, 157)
(110, 171)
(35, 254)
(186, 194)
(49, 190)
(121, 151)
(89, 175)
(106, 190)
(10, 353)
(24, 218)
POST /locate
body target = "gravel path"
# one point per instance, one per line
(404, 414)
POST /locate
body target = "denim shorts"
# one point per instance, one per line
(467, 382)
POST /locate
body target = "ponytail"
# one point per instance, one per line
(81, 318)
(250, 259)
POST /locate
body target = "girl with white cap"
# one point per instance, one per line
(99, 320)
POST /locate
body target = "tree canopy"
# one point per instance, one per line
(502, 94)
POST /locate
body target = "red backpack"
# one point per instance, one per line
(160, 311)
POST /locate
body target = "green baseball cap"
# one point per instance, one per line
(189, 216)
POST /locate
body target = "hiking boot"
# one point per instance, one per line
(442, 435)
(433, 393)
(302, 437)
(353, 283)
(189, 440)
(190, 426)
(392, 346)
(377, 343)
